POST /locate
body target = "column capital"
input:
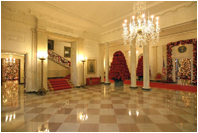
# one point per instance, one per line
(33, 30)
(106, 43)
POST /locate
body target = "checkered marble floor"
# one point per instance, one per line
(99, 108)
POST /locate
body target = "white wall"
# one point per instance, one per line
(59, 48)
(56, 70)
(91, 51)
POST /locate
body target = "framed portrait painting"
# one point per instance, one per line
(67, 52)
(91, 66)
(50, 44)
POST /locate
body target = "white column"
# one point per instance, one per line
(34, 61)
(102, 62)
(173, 71)
(133, 65)
(146, 79)
(154, 71)
(107, 64)
(191, 69)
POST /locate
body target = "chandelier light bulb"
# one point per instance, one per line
(124, 24)
(157, 23)
(142, 30)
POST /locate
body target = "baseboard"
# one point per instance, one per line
(30, 91)
(146, 89)
(133, 87)
(107, 83)
(54, 77)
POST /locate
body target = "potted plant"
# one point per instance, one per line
(119, 70)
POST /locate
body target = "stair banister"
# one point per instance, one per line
(58, 59)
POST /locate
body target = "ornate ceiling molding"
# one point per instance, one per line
(65, 11)
(127, 14)
(162, 14)
(176, 8)
(55, 20)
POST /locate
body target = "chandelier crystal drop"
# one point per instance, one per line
(140, 28)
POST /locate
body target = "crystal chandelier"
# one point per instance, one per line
(140, 28)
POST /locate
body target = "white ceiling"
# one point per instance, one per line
(98, 15)
(102, 12)
(98, 12)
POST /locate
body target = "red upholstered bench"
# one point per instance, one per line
(93, 80)
(158, 77)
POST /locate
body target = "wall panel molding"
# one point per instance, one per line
(12, 37)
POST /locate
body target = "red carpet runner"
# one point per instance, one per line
(165, 86)
(59, 84)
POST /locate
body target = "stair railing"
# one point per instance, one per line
(58, 59)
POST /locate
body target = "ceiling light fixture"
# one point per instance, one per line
(143, 30)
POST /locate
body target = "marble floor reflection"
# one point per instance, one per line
(97, 108)
(183, 81)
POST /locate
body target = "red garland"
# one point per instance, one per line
(119, 70)
(169, 58)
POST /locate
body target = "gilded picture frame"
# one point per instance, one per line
(50, 44)
(67, 52)
(91, 66)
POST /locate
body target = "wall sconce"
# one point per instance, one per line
(42, 56)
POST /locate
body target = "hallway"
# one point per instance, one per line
(98, 108)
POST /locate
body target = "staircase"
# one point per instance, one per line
(59, 83)
(58, 59)
(68, 77)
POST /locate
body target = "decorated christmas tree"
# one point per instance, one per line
(119, 70)
(184, 71)
(139, 70)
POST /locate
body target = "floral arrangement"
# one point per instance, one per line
(58, 59)
(169, 58)
(139, 70)
(119, 70)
